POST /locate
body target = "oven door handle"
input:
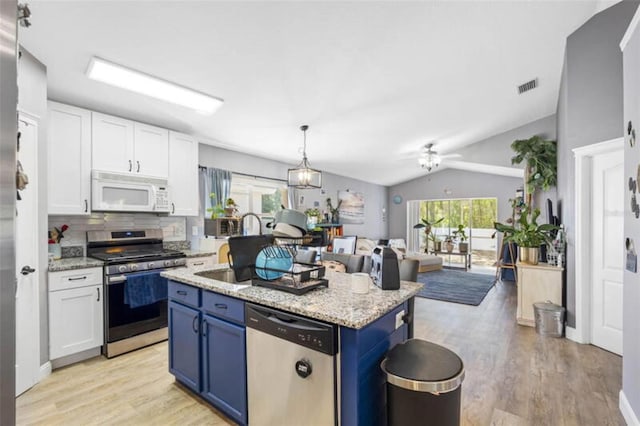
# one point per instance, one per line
(117, 279)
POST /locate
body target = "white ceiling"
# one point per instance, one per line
(374, 80)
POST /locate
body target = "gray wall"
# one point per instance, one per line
(631, 288)
(462, 184)
(589, 108)
(32, 87)
(375, 196)
(495, 150)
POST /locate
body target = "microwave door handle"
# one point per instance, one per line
(154, 196)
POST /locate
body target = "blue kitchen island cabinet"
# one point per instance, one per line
(369, 325)
(207, 350)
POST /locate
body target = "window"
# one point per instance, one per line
(260, 196)
(477, 215)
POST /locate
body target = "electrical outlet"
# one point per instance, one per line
(194, 231)
(399, 320)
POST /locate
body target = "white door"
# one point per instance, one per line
(151, 152)
(27, 307)
(111, 143)
(607, 230)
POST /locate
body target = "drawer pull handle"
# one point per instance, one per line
(182, 292)
(198, 264)
(77, 279)
(204, 327)
(138, 169)
(86, 206)
(130, 165)
(221, 305)
(98, 290)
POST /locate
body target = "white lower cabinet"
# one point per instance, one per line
(76, 314)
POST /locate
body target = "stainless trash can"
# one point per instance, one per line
(423, 382)
(549, 318)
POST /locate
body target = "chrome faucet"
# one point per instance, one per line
(242, 222)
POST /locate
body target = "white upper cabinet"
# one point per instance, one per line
(112, 143)
(121, 145)
(69, 159)
(151, 150)
(183, 174)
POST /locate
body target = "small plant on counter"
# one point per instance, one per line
(217, 210)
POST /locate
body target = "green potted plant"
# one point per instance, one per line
(461, 236)
(527, 234)
(427, 225)
(541, 156)
(313, 217)
(217, 210)
(231, 208)
(437, 242)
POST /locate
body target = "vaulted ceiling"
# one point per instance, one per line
(375, 81)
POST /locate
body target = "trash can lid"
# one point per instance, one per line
(548, 306)
(423, 366)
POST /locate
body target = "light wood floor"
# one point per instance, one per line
(513, 377)
(516, 377)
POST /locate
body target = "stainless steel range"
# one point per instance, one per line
(135, 303)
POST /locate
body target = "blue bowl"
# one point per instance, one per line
(273, 258)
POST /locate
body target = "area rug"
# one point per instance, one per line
(455, 286)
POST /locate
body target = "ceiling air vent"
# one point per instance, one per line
(529, 85)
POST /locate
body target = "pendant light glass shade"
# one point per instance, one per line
(303, 176)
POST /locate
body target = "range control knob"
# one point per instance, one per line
(151, 265)
(122, 268)
(177, 262)
(134, 267)
(167, 263)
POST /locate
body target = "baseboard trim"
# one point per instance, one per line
(45, 371)
(627, 412)
(572, 334)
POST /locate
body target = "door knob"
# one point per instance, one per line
(26, 270)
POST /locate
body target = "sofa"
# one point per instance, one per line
(427, 262)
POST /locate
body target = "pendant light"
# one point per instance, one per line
(303, 176)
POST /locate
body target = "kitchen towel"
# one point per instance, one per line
(144, 289)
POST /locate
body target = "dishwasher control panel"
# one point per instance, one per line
(303, 331)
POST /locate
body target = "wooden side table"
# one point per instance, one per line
(465, 256)
(537, 283)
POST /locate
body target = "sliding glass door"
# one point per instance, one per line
(475, 215)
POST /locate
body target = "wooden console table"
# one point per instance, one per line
(466, 258)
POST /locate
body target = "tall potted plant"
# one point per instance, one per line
(527, 234)
(427, 225)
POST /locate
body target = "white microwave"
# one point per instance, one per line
(123, 192)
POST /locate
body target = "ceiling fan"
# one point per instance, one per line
(428, 158)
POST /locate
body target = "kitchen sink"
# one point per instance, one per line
(226, 275)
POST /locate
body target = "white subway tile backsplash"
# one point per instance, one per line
(173, 227)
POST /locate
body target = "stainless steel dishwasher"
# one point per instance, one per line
(291, 369)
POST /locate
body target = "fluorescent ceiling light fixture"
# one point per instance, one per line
(136, 81)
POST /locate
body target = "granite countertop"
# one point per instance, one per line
(335, 304)
(198, 253)
(67, 264)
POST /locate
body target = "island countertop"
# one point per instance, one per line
(335, 304)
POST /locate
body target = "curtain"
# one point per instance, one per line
(215, 181)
